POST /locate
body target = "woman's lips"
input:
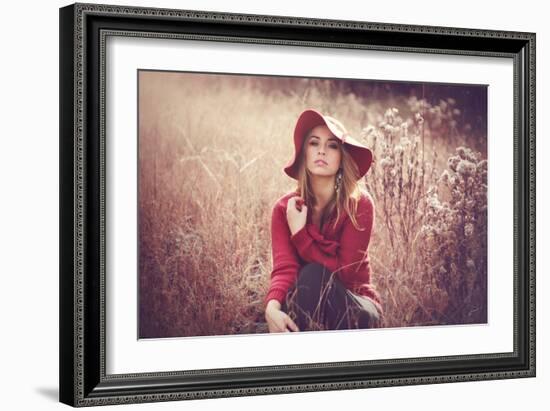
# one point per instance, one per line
(321, 162)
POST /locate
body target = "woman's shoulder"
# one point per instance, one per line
(365, 203)
(282, 201)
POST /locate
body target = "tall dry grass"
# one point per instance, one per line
(211, 150)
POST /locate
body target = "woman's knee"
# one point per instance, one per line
(312, 274)
(369, 317)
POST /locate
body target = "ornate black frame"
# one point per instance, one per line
(83, 30)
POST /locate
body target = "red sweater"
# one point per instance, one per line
(342, 249)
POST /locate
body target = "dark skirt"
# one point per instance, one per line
(319, 301)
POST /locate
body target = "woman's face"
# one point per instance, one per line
(322, 151)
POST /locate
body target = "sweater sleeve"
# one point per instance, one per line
(348, 257)
(286, 264)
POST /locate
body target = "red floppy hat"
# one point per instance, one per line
(312, 118)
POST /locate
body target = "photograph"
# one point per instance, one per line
(274, 204)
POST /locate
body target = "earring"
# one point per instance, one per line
(338, 180)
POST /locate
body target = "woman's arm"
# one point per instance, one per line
(285, 270)
(285, 259)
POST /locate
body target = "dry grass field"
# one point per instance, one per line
(211, 152)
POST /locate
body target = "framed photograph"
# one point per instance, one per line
(261, 204)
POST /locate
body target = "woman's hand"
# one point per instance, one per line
(296, 214)
(277, 320)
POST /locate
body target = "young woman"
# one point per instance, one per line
(320, 234)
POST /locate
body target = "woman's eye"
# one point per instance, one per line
(333, 146)
(313, 143)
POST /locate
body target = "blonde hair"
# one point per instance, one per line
(345, 199)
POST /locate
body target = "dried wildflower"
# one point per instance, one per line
(434, 203)
(459, 223)
(386, 162)
(390, 114)
(453, 163)
(388, 128)
(418, 118)
(397, 150)
(466, 168)
(468, 229)
(461, 151)
(444, 178)
(456, 112)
